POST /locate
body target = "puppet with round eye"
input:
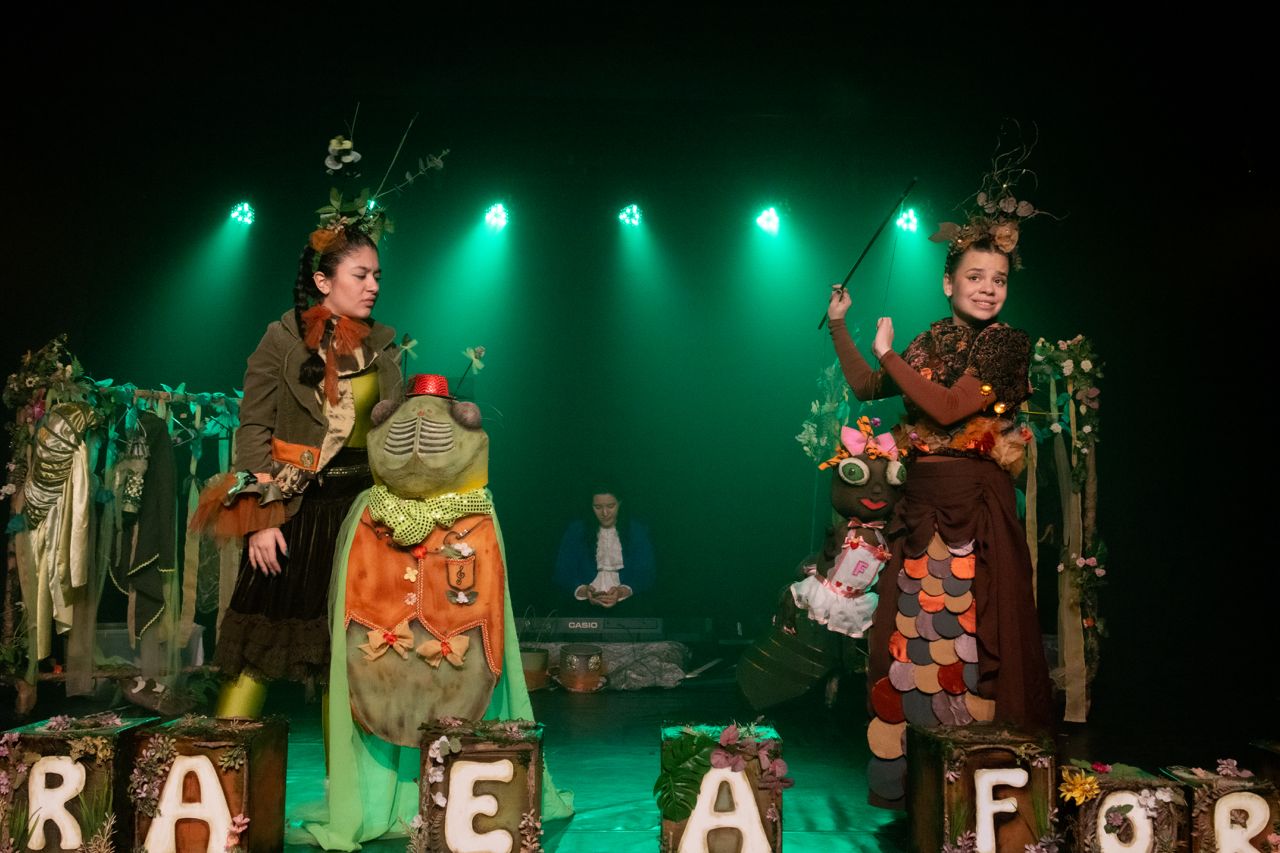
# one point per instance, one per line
(839, 588)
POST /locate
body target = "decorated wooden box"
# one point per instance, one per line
(65, 771)
(979, 789)
(1232, 810)
(719, 789)
(1117, 808)
(481, 786)
(207, 784)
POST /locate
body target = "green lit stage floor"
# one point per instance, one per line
(604, 747)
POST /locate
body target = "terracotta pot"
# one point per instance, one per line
(534, 661)
(581, 667)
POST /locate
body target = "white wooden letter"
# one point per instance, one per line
(211, 808)
(744, 816)
(50, 804)
(463, 806)
(1235, 839)
(984, 783)
(1143, 832)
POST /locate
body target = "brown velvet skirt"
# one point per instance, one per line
(973, 500)
(277, 626)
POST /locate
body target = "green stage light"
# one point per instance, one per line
(496, 218)
(243, 212)
(768, 221)
(907, 221)
(630, 215)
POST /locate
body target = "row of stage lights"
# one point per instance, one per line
(496, 217)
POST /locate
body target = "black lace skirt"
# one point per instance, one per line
(277, 626)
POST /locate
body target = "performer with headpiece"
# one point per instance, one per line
(956, 637)
(300, 457)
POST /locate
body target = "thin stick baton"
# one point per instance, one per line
(874, 236)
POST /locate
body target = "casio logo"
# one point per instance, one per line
(573, 624)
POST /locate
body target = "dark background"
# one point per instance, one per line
(683, 381)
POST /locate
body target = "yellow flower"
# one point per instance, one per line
(1078, 786)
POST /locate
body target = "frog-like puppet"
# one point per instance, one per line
(420, 617)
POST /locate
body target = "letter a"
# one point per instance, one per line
(744, 816)
(212, 807)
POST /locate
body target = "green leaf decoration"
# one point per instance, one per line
(335, 197)
(685, 760)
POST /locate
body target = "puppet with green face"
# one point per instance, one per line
(417, 611)
(421, 620)
(424, 576)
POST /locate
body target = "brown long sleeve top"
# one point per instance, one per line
(953, 379)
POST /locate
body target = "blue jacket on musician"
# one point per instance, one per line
(576, 563)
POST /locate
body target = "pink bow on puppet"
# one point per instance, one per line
(856, 443)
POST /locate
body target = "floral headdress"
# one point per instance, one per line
(363, 211)
(997, 213)
(864, 440)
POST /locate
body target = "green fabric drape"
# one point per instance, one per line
(377, 790)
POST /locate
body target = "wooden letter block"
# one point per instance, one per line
(1230, 812)
(720, 789)
(1127, 811)
(481, 786)
(209, 785)
(59, 778)
(980, 787)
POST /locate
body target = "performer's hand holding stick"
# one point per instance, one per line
(842, 286)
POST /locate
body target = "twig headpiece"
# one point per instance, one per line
(994, 211)
(363, 211)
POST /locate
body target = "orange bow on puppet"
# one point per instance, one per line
(451, 649)
(400, 639)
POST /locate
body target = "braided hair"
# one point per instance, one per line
(306, 294)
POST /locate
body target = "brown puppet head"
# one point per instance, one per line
(798, 651)
(868, 474)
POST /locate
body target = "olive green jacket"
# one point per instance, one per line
(277, 405)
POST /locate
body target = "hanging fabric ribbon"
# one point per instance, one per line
(191, 544)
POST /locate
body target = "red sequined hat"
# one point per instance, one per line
(428, 384)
